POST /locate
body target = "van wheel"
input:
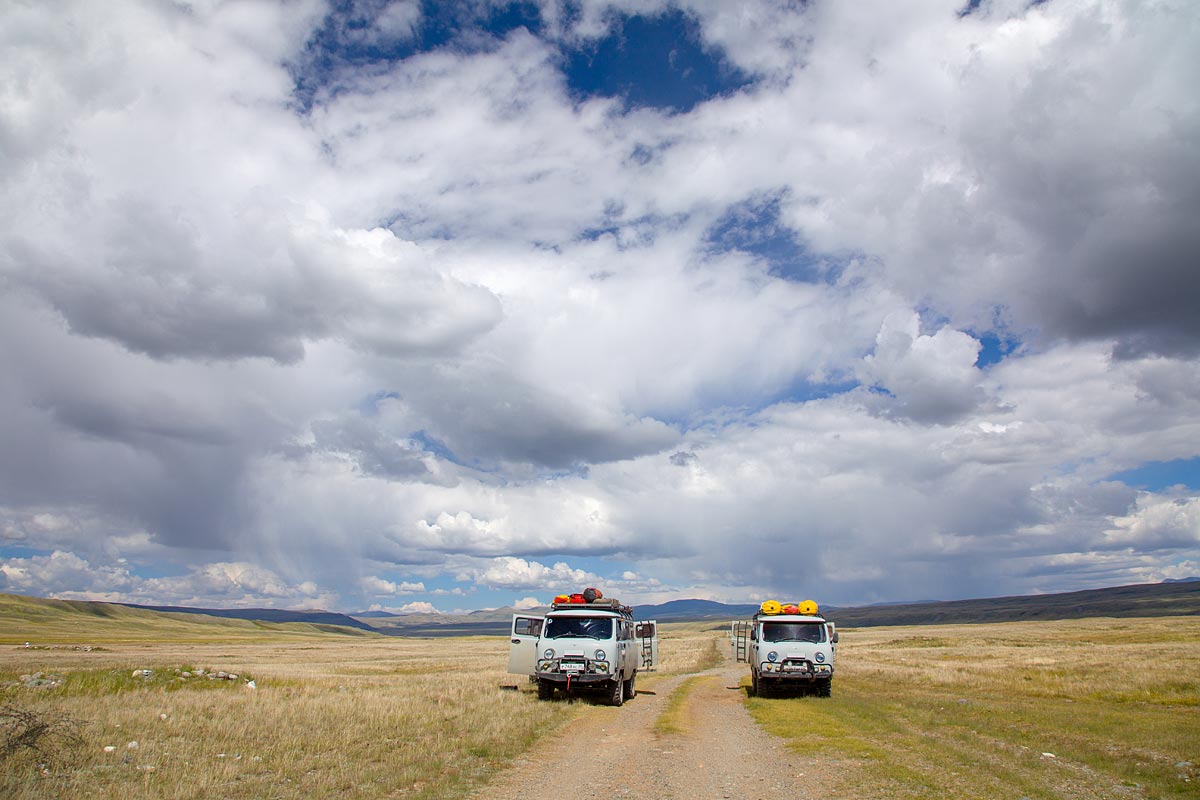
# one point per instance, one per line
(545, 690)
(825, 687)
(616, 694)
(753, 684)
(631, 687)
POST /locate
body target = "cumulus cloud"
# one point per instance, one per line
(374, 585)
(417, 607)
(517, 573)
(297, 308)
(67, 576)
(932, 377)
(1158, 523)
(60, 571)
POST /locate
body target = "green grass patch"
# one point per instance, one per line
(670, 720)
(101, 682)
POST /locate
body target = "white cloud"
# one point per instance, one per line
(452, 321)
(373, 585)
(418, 607)
(932, 377)
(517, 573)
(65, 575)
(58, 571)
(526, 603)
(1158, 522)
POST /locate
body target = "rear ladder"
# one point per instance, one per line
(739, 638)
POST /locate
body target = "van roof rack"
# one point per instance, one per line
(603, 604)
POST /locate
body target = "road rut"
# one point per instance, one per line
(615, 752)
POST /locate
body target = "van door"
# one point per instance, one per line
(522, 647)
(739, 638)
(646, 634)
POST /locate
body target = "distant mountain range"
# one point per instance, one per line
(1170, 598)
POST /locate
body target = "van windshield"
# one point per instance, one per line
(578, 627)
(793, 632)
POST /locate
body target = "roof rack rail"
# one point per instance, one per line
(603, 604)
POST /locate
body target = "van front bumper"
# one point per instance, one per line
(574, 677)
(795, 671)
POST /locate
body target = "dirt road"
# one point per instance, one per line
(614, 752)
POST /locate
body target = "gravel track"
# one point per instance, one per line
(615, 752)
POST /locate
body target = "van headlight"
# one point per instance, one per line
(549, 653)
(772, 656)
(820, 658)
(600, 655)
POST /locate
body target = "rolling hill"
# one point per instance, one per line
(1138, 600)
(42, 621)
(28, 618)
(266, 615)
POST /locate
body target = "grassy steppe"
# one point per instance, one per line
(333, 714)
(1094, 708)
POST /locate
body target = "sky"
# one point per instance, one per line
(370, 305)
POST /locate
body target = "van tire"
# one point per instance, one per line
(753, 683)
(631, 686)
(545, 690)
(616, 693)
(825, 687)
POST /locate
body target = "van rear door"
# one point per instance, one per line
(522, 647)
(646, 633)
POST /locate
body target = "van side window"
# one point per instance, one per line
(528, 627)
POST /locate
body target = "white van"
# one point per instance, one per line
(582, 645)
(787, 649)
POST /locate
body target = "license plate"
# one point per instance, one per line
(570, 667)
(793, 668)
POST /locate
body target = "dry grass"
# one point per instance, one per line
(331, 715)
(968, 711)
(395, 718)
(687, 647)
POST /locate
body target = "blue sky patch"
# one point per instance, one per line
(657, 61)
(803, 391)
(754, 227)
(652, 62)
(17, 550)
(994, 348)
(351, 37)
(1154, 476)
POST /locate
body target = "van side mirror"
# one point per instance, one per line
(835, 637)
